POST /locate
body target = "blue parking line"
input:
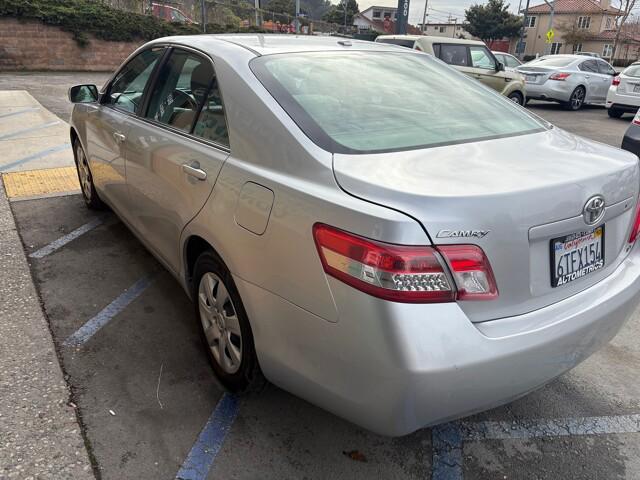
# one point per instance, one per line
(35, 156)
(62, 241)
(446, 452)
(204, 451)
(15, 133)
(103, 317)
(19, 112)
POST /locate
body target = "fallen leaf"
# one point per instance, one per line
(356, 455)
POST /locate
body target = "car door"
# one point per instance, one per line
(592, 79)
(485, 67)
(606, 73)
(176, 151)
(108, 125)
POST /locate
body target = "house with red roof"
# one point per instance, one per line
(381, 20)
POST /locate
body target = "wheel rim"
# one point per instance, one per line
(577, 98)
(220, 323)
(83, 172)
(515, 99)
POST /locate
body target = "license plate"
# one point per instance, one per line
(636, 88)
(576, 255)
(530, 78)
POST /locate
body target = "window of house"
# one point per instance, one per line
(376, 14)
(609, 23)
(584, 22)
(555, 48)
(521, 47)
(443, 29)
(578, 47)
(607, 50)
(530, 22)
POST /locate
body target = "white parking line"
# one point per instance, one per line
(62, 241)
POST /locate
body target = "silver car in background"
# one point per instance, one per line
(362, 224)
(572, 80)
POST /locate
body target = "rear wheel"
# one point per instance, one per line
(614, 112)
(85, 178)
(577, 99)
(225, 327)
(516, 97)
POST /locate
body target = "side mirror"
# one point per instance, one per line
(615, 74)
(83, 94)
(500, 67)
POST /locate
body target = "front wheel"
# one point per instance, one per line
(576, 100)
(225, 327)
(516, 97)
(614, 112)
(85, 178)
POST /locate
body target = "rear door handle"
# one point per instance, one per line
(119, 137)
(194, 171)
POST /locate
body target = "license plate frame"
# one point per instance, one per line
(584, 238)
(530, 78)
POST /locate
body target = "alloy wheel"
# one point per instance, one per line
(84, 173)
(577, 97)
(219, 319)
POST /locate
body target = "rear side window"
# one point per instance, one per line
(211, 124)
(126, 89)
(454, 55)
(605, 68)
(589, 66)
(365, 102)
(180, 90)
(397, 41)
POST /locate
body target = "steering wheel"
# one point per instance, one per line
(178, 98)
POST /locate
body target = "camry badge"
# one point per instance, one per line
(593, 210)
(462, 233)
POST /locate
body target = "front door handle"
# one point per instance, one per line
(194, 171)
(119, 137)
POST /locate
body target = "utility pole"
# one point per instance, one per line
(345, 16)
(298, 16)
(552, 5)
(524, 24)
(424, 17)
(402, 17)
(455, 24)
(257, 7)
(203, 7)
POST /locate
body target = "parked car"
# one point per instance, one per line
(572, 80)
(509, 61)
(364, 225)
(631, 139)
(588, 54)
(624, 93)
(470, 57)
(169, 13)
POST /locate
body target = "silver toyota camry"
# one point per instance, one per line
(362, 225)
(572, 80)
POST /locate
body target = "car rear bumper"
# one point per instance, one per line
(394, 368)
(550, 90)
(619, 101)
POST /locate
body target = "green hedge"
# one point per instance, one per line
(83, 17)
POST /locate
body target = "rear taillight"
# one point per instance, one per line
(403, 273)
(635, 230)
(616, 81)
(636, 119)
(559, 76)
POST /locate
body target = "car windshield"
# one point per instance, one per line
(362, 102)
(632, 71)
(553, 61)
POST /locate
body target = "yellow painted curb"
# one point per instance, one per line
(33, 183)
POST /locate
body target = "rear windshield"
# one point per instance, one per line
(396, 41)
(365, 102)
(552, 61)
(633, 71)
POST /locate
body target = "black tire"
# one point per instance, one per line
(577, 99)
(248, 376)
(516, 97)
(614, 112)
(89, 194)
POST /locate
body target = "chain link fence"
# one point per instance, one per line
(220, 16)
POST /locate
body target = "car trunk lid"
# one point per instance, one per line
(629, 85)
(511, 197)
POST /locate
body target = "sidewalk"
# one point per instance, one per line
(39, 434)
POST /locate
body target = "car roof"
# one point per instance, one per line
(431, 39)
(272, 43)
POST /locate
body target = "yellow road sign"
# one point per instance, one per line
(550, 35)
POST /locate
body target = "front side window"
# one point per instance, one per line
(481, 58)
(126, 89)
(180, 89)
(584, 22)
(453, 55)
(363, 102)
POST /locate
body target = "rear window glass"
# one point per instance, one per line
(397, 41)
(553, 61)
(632, 71)
(361, 102)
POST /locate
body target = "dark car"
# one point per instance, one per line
(631, 139)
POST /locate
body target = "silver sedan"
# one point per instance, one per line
(572, 80)
(362, 225)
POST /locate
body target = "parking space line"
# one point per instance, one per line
(35, 156)
(15, 133)
(19, 112)
(447, 439)
(203, 453)
(62, 241)
(105, 315)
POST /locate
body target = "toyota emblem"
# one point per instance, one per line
(593, 210)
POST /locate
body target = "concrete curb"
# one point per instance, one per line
(39, 433)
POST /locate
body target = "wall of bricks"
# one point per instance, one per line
(36, 46)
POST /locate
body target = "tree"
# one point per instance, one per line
(572, 35)
(287, 7)
(492, 21)
(625, 7)
(336, 12)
